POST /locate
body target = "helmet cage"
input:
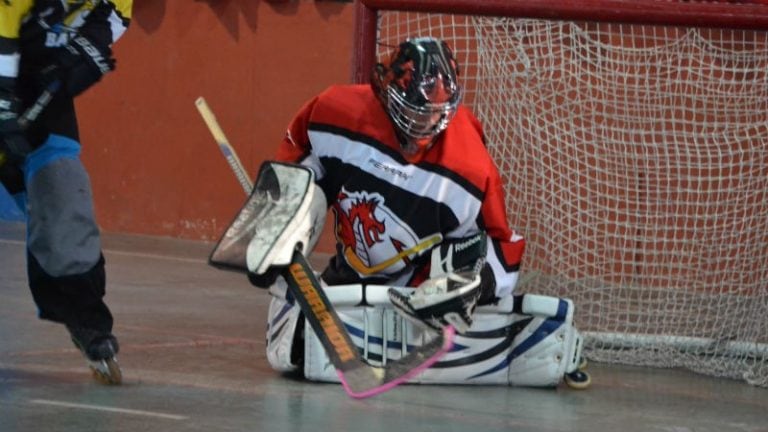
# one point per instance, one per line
(420, 120)
(419, 89)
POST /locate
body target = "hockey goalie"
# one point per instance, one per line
(511, 340)
(422, 240)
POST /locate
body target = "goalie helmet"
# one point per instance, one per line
(419, 90)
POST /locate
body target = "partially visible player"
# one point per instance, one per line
(47, 44)
(417, 199)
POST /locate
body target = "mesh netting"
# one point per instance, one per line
(636, 165)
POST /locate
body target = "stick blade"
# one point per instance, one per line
(367, 380)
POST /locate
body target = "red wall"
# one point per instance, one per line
(154, 166)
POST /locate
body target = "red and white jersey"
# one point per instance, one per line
(389, 212)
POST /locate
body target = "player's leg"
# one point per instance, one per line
(65, 264)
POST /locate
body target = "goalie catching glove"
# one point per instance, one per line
(451, 293)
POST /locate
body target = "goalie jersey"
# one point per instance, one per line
(388, 212)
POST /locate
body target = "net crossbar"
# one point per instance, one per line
(635, 158)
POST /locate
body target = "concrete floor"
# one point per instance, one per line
(192, 355)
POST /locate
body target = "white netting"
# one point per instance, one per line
(636, 164)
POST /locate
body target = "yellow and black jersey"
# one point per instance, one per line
(12, 13)
(102, 21)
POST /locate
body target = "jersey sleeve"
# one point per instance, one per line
(295, 145)
(466, 155)
(505, 250)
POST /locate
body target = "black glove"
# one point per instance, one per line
(78, 65)
(13, 143)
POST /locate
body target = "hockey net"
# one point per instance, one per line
(634, 148)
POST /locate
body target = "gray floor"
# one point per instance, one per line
(193, 359)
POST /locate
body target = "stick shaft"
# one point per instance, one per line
(32, 113)
(226, 148)
(42, 101)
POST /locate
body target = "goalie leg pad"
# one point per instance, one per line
(501, 347)
(284, 349)
(543, 352)
(381, 334)
(317, 365)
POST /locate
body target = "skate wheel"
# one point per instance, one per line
(583, 364)
(107, 372)
(578, 379)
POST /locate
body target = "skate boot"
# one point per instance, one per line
(100, 350)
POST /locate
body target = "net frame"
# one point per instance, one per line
(715, 348)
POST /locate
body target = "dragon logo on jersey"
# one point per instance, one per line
(374, 238)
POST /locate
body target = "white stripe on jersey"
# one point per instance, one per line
(411, 178)
(116, 26)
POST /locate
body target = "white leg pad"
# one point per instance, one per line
(281, 329)
(501, 348)
(555, 352)
(369, 328)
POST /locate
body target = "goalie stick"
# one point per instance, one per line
(359, 378)
(226, 148)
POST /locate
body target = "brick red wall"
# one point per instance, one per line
(155, 167)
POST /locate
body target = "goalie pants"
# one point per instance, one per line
(65, 265)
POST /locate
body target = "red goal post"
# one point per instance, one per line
(633, 138)
(748, 15)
